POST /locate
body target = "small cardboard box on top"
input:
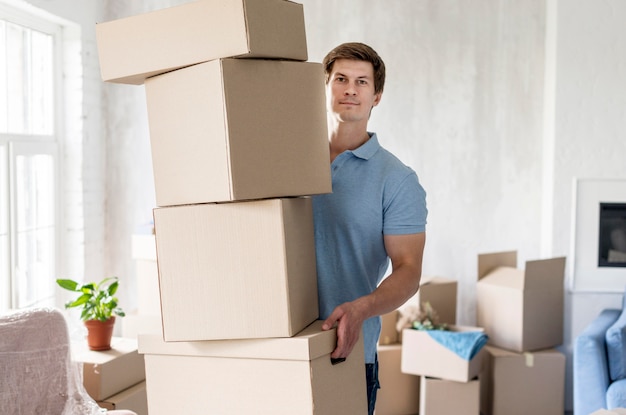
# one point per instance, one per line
(236, 270)
(520, 310)
(446, 397)
(254, 376)
(238, 129)
(522, 383)
(134, 48)
(106, 373)
(424, 356)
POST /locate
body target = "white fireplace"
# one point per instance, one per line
(599, 243)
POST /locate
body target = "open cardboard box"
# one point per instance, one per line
(134, 48)
(238, 129)
(254, 376)
(441, 293)
(520, 309)
(424, 356)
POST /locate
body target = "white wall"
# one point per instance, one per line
(498, 106)
(589, 128)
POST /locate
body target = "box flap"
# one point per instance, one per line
(506, 277)
(488, 262)
(309, 344)
(545, 273)
(433, 279)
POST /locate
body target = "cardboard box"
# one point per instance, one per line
(615, 411)
(133, 399)
(520, 310)
(522, 383)
(424, 356)
(389, 332)
(399, 392)
(106, 373)
(254, 376)
(236, 270)
(137, 47)
(441, 293)
(238, 129)
(445, 397)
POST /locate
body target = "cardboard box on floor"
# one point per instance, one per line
(446, 397)
(424, 356)
(522, 383)
(399, 392)
(133, 399)
(134, 48)
(236, 270)
(106, 373)
(520, 310)
(238, 129)
(254, 376)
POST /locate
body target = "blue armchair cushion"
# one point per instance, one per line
(591, 372)
(616, 347)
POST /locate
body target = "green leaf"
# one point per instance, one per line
(113, 288)
(79, 301)
(68, 284)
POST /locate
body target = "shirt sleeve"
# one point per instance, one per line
(404, 207)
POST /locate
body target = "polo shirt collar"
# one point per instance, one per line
(367, 149)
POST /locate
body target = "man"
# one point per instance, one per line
(376, 213)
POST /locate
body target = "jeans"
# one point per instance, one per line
(371, 377)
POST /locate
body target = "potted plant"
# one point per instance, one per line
(99, 305)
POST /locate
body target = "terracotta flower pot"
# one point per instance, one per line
(99, 334)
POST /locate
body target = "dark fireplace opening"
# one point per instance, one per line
(612, 245)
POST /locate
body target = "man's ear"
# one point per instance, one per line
(377, 98)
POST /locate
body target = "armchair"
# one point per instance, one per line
(599, 363)
(37, 375)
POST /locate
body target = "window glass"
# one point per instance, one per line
(34, 260)
(28, 70)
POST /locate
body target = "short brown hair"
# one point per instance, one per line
(360, 52)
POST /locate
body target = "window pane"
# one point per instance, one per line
(28, 90)
(41, 84)
(35, 234)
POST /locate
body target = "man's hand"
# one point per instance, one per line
(349, 319)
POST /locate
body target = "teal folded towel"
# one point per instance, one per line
(464, 343)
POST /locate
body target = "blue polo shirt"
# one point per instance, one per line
(374, 194)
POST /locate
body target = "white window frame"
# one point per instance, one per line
(13, 144)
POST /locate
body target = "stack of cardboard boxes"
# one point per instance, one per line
(400, 392)
(239, 142)
(522, 312)
(115, 378)
(442, 373)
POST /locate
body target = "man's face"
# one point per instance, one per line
(350, 91)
